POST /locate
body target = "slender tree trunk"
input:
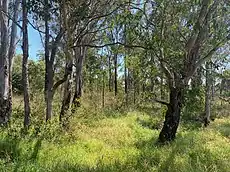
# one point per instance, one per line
(5, 101)
(103, 89)
(25, 81)
(12, 47)
(134, 87)
(48, 67)
(80, 54)
(69, 64)
(50, 53)
(115, 75)
(126, 81)
(162, 87)
(134, 94)
(110, 75)
(212, 82)
(67, 92)
(207, 96)
(49, 94)
(172, 117)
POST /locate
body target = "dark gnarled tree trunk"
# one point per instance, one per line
(172, 117)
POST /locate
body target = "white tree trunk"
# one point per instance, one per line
(5, 102)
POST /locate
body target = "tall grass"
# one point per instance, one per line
(109, 140)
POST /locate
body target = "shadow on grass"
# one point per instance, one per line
(14, 152)
(9, 149)
(186, 153)
(224, 129)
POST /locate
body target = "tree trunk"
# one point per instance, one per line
(49, 94)
(67, 93)
(110, 75)
(103, 89)
(134, 87)
(12, 47)
(115, 75)
(5, 101)
(207, 96)
(50, 54)
(48, 67)
(197, 78)
(79, 61)
(126, 81)
(213, 80)
(162, 87)
(25, 81)
(172, 117)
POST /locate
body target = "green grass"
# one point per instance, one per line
(116, 143)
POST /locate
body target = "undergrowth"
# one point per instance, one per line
(108, 140)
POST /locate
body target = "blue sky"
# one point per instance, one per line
(34, 43)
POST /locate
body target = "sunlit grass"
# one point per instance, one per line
(121, 143)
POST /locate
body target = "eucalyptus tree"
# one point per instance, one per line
(9, 26)
(89, 29)
(25, 79)
(186, 35)
(182, 35)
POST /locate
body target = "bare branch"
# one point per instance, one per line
(110, 44)
(35, 28)
(209, 54)
(68, 71)
(13, 20)
(55, 44)
(161, 102)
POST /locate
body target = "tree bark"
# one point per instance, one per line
(48, 66)
(25, 81)
(67, 91)
(162, 86)
(12, 47)
(103, 89)
(50, 54)
(80, 54)
(5, 101)
(207, 96)
(115, 75)
(172, 117)
(110, 75)
(126, 81)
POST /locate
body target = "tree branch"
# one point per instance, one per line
(209, 54)
(8, 16)
(161, 102)
(55, 44)
(110, 44)
(68, 71)
(198, 25)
